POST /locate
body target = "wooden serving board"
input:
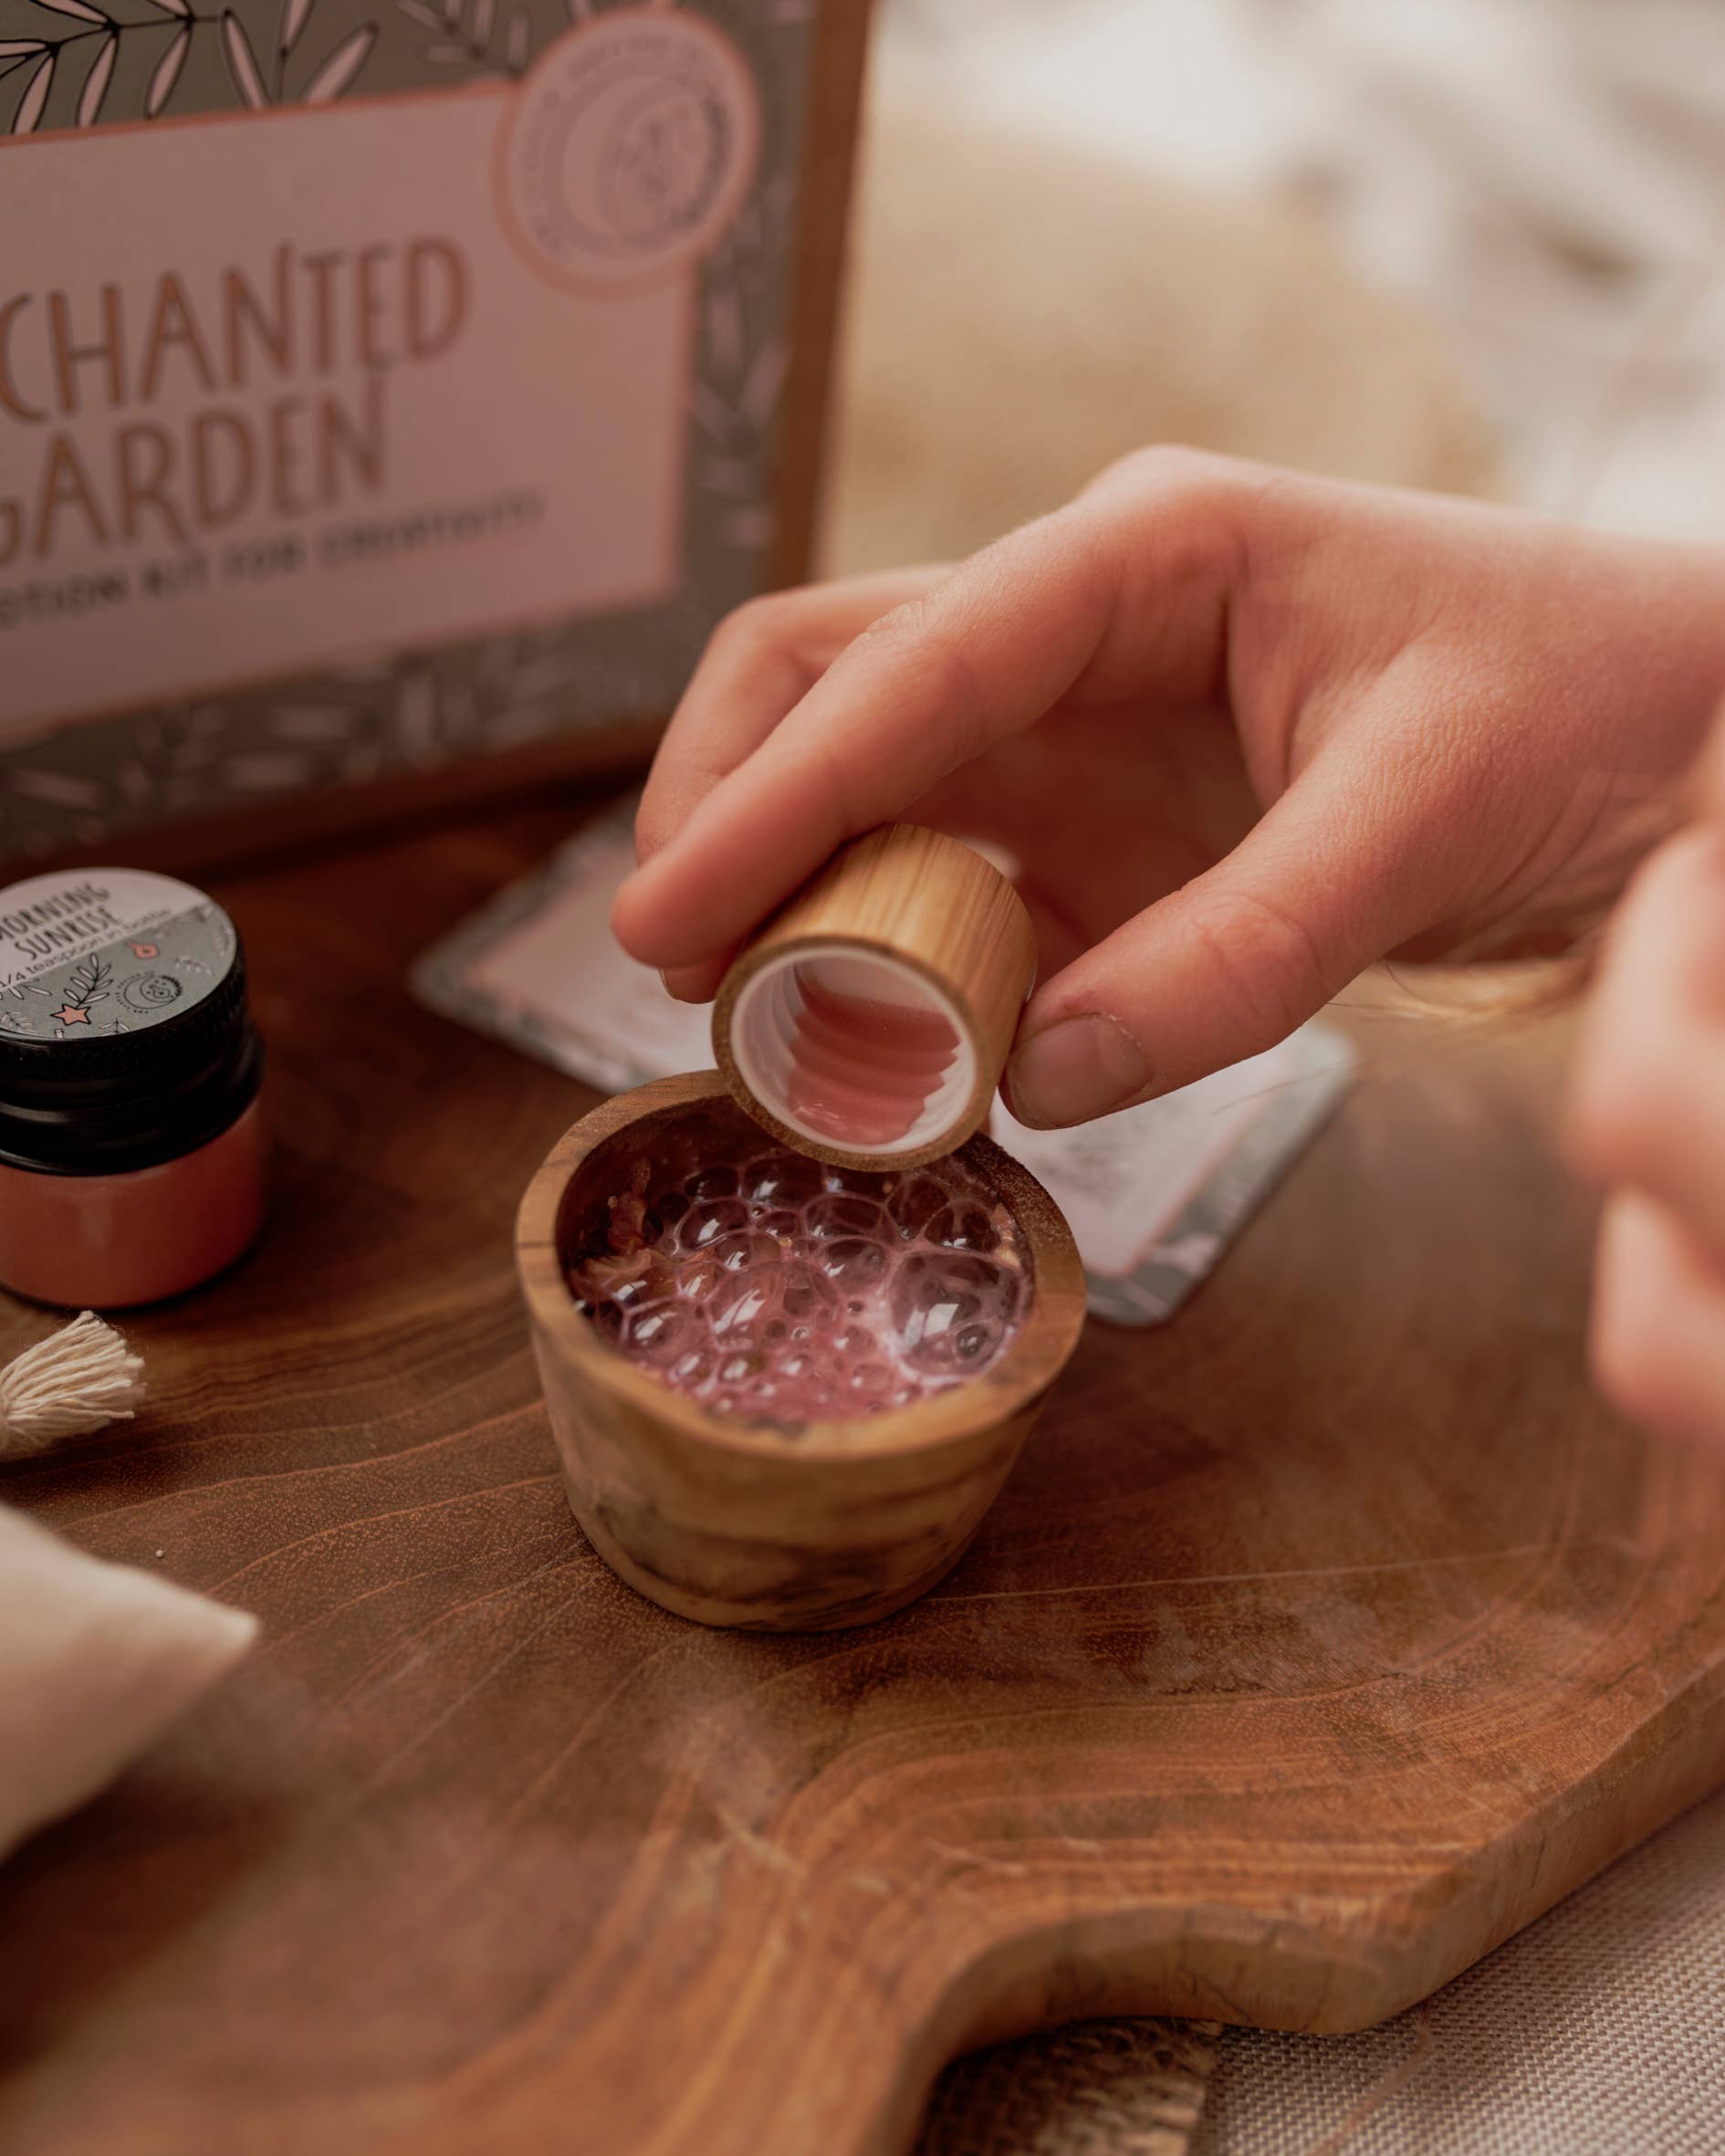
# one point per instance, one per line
(1323, 1639)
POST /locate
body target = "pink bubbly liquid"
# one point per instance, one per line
(861, 1071)
(773, 1290)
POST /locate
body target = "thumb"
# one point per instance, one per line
(1222, 969)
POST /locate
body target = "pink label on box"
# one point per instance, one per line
(275, 401)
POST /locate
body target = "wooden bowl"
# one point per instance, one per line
(843, 1524)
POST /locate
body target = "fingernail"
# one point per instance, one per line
(1074, 1070)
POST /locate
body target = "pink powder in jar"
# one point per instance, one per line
(770, 1289)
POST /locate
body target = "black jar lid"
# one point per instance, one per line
(125, 1036)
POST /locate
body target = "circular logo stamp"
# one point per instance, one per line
(629, 149)
(150, 991)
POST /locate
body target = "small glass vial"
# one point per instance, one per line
(131, 1151)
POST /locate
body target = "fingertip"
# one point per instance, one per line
(1078, 1068)
(1621, 1357)
(693, 984)
(630, 920)
(1011, 1106)
(666, 916)
(656, 914)
(1020, 1110)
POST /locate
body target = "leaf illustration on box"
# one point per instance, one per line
(242, 62)
(294, 14)
(101, 72)
(36, 80)
(463, 34)
(52, 82)
(104, 63)
(167, 71)
(341, 69)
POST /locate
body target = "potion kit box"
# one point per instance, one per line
(393, 391)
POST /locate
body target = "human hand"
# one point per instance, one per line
(1243, 732)
(1648, 1121)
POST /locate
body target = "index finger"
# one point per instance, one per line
(758, 665)
(918, 694)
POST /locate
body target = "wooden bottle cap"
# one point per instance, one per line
(868, 1024)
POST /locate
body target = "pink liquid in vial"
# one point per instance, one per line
(861, 1071)
(774, 1290)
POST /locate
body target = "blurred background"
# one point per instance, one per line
(1474, 244)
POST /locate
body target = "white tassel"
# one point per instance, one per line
(78, 1381)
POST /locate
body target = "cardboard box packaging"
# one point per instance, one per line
(391, 387)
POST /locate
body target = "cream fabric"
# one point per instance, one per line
(973, 235)
(1599, 2031)
(96, 1659)
(1544, 178)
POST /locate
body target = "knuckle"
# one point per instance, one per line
(764, 622)
(1190, 509)
(1170, 473)
(1270, 973)
(902, 627)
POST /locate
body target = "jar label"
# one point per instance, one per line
(105, 951)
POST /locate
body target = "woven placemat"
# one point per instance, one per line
(1095, 2088)
(1599, 2031)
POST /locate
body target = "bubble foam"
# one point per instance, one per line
(774, 1291)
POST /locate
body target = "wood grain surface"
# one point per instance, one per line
(1320, 1638)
